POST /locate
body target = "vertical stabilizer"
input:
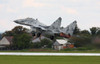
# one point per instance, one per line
(70, 28)
(55, 27)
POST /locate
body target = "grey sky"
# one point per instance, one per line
(85, 12)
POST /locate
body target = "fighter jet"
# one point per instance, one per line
(36, 25)
(52, 29)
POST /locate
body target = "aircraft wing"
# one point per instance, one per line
(40, 25)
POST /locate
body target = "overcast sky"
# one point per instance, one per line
(85, 12)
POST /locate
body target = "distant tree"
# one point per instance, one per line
(8, 33)
(14, 31)
(96, 41)
(76, 30)
(36, 45)
(98, 32)
(21, 41)
(19, 30)
(86, 32)
(46, 43)
(81, 40)
(94, 30)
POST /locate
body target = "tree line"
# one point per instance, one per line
(80, 38)
(23, 40)
(86, 38)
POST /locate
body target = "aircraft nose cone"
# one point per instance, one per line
(16, 21)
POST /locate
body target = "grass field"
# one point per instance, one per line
(49, 60)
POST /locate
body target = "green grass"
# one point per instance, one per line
(49, 60)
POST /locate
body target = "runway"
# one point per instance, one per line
(49, 54)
